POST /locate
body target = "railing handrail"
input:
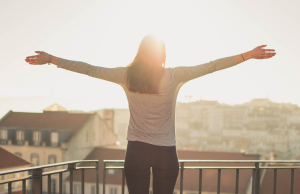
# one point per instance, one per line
(258, 165)
(221, 161)
(45, 166)
(37, 175)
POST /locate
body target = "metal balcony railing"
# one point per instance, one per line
(36, 174)
(257, 166)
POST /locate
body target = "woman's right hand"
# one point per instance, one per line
(260, 53)
(40, 59)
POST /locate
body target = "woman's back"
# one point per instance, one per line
(152, 116)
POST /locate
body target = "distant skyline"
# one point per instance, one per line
(107, 33)
(37, 104)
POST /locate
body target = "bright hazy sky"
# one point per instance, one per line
(108, 32)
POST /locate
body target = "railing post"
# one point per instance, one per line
(257, 178)
(275, 180)
(219, 181)
(71, 167)
(23, 186)
(37, 181)
(292, 181)
(200, 181)
(253, 181)
(9, 188)
(181, 177)
(49, 184)
(97, 177)
(237, 181)
(82, 181)
(104, 176)
(60, 183)
(123, 181)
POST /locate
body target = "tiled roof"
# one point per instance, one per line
(47, 120)
(283, 181)
(191, 177)
(10, 160)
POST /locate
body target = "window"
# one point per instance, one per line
(53, 186)
(54, 138)
(36, 137)
(93, 189)
(113, 190)
(18, 184)
(18, 154)
(20, 136)
(77, 189)
(35, 159)
(51, 159)
(3, 134)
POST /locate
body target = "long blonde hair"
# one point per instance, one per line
(145, 72)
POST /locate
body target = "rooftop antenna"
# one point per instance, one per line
(189, 97)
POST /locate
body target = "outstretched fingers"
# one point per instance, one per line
(260, 53)
(262, 46)
(39, 52)
(33, 56)
(269, 55)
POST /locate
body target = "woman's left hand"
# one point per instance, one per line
(260, 53)
(40, 59)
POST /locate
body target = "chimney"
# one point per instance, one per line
(273, 156)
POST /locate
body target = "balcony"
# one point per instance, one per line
(257, 170)
(36, 174)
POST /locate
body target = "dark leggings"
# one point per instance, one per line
(140, 157)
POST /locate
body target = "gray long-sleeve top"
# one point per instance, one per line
(152, 116)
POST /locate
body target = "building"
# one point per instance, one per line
(54, 136)
(118, 120)
(259, 126)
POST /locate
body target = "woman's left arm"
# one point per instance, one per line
(115, 75)
(186, 73)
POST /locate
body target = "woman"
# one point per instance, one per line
(151, 91)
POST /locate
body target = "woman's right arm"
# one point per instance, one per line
(54, 60)
(115, 75)
(186, 73)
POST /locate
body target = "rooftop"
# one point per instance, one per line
(11, 160)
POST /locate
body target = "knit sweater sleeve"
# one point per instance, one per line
(186, 73)
(115, 75)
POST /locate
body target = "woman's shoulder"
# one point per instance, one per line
(169, 73)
